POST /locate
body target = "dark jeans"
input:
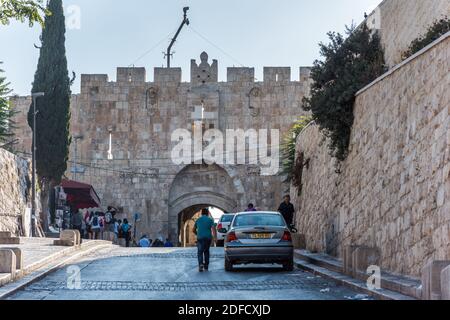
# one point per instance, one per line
(203, 246)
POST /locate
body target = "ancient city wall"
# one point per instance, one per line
(15, 192)
(402, 21)
(393, 191)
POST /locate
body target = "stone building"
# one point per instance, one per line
(122, 139)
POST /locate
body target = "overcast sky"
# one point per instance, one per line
(251, 33)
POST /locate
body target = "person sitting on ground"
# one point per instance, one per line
(144, 242)
(168, 243)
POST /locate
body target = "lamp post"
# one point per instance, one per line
(33, 190)
(75, 164)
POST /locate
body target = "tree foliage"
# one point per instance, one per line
(22, 10)
(6, 111)
(349, 64)
(288, 148)
(53, 118)
(435, 31)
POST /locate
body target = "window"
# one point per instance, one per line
(248, 219)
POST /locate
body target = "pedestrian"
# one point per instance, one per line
(95, 226)
(250, 208)
(126, 232)
(88, 218)
(77, 221)
(109, 219)
(117, 233)
(205, 230)
(144, 242)
(287, 210)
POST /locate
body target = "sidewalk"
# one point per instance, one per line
(39, 253)
(394, 287)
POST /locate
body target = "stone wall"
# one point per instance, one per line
(402, 21)
(136, 173)
(15, 192)
(393, 191)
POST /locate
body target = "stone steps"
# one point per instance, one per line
(406, 286)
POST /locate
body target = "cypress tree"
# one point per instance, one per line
(53, 117)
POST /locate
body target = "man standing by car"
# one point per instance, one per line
(205, 230)
(287, 210)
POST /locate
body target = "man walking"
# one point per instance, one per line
(287, 210)
(205, 230)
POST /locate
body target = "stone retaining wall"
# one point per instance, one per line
(393, 191)
(15, 192)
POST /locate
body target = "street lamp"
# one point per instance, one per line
(33, 190)
(75, 168)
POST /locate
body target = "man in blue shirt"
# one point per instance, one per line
(206, 231)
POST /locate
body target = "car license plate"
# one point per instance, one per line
(261, 236)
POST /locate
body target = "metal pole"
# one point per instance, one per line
(33, 183)
(169, 49)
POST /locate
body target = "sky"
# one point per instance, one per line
(105, 34)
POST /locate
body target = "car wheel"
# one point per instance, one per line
(220, 243)
(228, 265)
(289, 265)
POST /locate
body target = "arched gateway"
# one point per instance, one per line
(199, 186)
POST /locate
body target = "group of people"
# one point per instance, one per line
(205, 229)
(93, 224)
(145, 242)
(286, 209)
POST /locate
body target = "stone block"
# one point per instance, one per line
(64, 243)
(14, 240)
(445, 284)
(347, 257)
(362, 259)
(19, 257)
(7, 262)
(431, 279)
(299, 241)
(71, 235)
(5, 234)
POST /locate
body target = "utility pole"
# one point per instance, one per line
(184, 22)
(75, 164)
(33, 183)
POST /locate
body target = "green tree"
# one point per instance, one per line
(22, 10)
(53, 117)
(288, 147)
(349, 65)
(6, 111)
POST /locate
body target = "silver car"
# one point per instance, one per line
(259, 237)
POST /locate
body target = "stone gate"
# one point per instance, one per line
(122, 138)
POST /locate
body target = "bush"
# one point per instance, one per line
(435, 31)
(348, 65)
(288, 148)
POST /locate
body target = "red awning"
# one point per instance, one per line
(80, 195)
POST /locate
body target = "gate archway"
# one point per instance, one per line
(196, 187)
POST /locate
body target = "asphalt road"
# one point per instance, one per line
(172, 274)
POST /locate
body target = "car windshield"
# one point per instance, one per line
(245, 220)
(227, 218)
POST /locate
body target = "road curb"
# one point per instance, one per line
(349, 282)
(37, 274)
